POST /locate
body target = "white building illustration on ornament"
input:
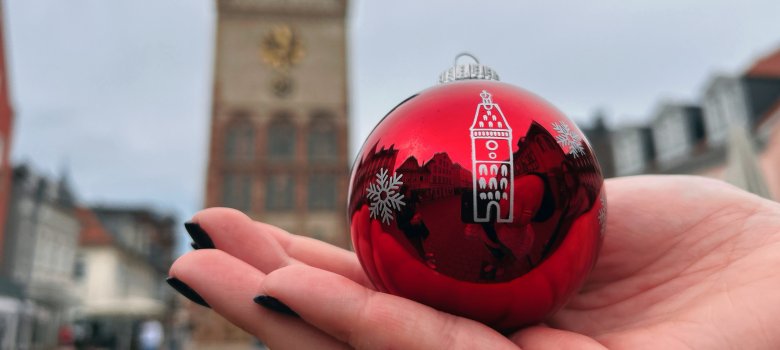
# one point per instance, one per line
(491, 163)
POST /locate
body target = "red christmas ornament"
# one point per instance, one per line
(478, 198)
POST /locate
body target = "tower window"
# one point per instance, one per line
(280, 192)
(322, 192)
(237, 191)
(240, 140)
(322, 140)
(281, 139)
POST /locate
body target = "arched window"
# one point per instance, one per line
(240, 140)
(280, 192)
(322, 192)
(237, 191)
(322, 140)
(281, 139)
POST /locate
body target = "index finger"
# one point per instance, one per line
(268, 247)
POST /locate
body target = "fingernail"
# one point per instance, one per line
(274, 304)
(201, 238)
(194, 245)
(186, 291)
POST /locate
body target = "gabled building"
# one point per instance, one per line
(122, 263)
(633, 150)
(678, 132)
(599, 136)
(734, 135)
(724, 103)
(738, 100)
(41, 242)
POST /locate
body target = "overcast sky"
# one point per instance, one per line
(118, 92)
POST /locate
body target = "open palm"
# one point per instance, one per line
(687, 262)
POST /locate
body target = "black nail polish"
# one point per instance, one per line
(201, 238)
(186, 291)
(194, 245)
(274, 304)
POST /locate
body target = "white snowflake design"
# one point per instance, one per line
(603, 214)
(568, 139)
(384, 196)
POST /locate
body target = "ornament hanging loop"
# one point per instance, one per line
(467, 71)
(464, 54)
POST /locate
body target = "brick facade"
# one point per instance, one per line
(6, 118)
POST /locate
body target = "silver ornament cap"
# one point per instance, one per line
(467, 71)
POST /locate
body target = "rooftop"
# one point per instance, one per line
(767, 66)
(92, 231)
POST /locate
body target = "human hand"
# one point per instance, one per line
(687, 262)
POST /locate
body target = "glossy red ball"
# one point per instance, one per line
(479, 199)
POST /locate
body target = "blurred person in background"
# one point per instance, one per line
(151, 335)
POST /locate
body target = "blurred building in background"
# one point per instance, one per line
(677, 130)
(6, 119)
(278, 146)
(74, 275)
(40, 249)
(124, 256)
(599, 137)
(732, 133)
(70, 274)
(10, 292)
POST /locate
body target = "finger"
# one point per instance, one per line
(366, 319)
(229, 284)
(320, 254)
(267, 247)
(543, 337)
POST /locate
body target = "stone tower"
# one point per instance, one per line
(278, 147)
